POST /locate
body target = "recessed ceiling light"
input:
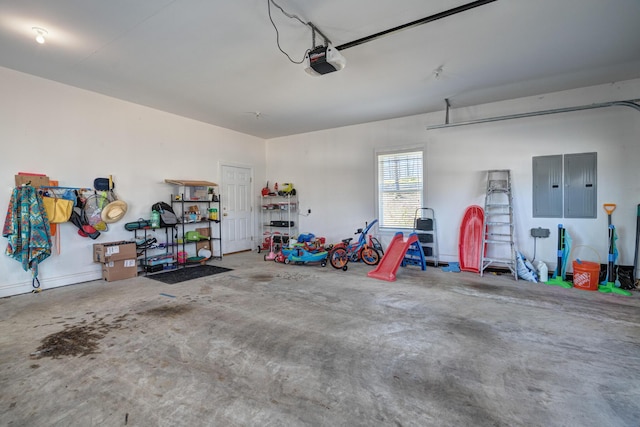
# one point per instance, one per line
(40, 33)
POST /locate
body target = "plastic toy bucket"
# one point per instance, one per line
(586, 275)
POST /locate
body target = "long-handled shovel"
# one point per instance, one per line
(609, 208)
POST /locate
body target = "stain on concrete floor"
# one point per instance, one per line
(313, 346)
(168, 310)
(78, 340)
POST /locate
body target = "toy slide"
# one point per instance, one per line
(392, 259)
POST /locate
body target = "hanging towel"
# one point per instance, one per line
(27, 228)
(566, 252)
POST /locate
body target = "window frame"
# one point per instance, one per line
(378, 194)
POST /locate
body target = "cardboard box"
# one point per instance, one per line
(203, 244)
(114, 251)
(119, 270)
(35, 180)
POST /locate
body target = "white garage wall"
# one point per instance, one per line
(75, 136)
(334, 169)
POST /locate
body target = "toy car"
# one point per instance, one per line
(287, 190)
(299, 255)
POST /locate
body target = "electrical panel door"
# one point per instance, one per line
(580, 185)
(547, 186)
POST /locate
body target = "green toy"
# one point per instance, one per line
(194, 236)
(564, 247)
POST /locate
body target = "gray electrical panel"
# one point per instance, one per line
(547, 186)
(580, 185)
(565, 186)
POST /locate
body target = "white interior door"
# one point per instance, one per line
(236, 209)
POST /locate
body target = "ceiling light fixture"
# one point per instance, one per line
(40, 33)
(258, 114)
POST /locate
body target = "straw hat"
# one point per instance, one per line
(114, 211)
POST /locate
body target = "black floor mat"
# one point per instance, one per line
(188, 273)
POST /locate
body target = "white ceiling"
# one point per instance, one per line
(218, 62)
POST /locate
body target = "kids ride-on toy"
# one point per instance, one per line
(345, 251)
(299, 255)
(287, 190)
(273, 247)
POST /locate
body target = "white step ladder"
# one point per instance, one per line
(498, 246)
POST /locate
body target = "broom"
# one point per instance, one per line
(610, 287)
(635, 258)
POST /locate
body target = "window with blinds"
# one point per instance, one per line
(399, 188)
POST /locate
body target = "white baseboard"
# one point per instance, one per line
(49, 283)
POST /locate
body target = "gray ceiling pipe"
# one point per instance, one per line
(630, 103)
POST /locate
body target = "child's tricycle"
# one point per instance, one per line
(273, 247)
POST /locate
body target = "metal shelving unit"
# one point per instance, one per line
(197, 228)
(155, 256)
(279, 218)
(197, 221)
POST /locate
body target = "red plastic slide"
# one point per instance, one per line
(392, 259)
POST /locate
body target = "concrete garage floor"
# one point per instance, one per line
(281, 345)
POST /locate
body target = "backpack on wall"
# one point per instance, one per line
(168, 217)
